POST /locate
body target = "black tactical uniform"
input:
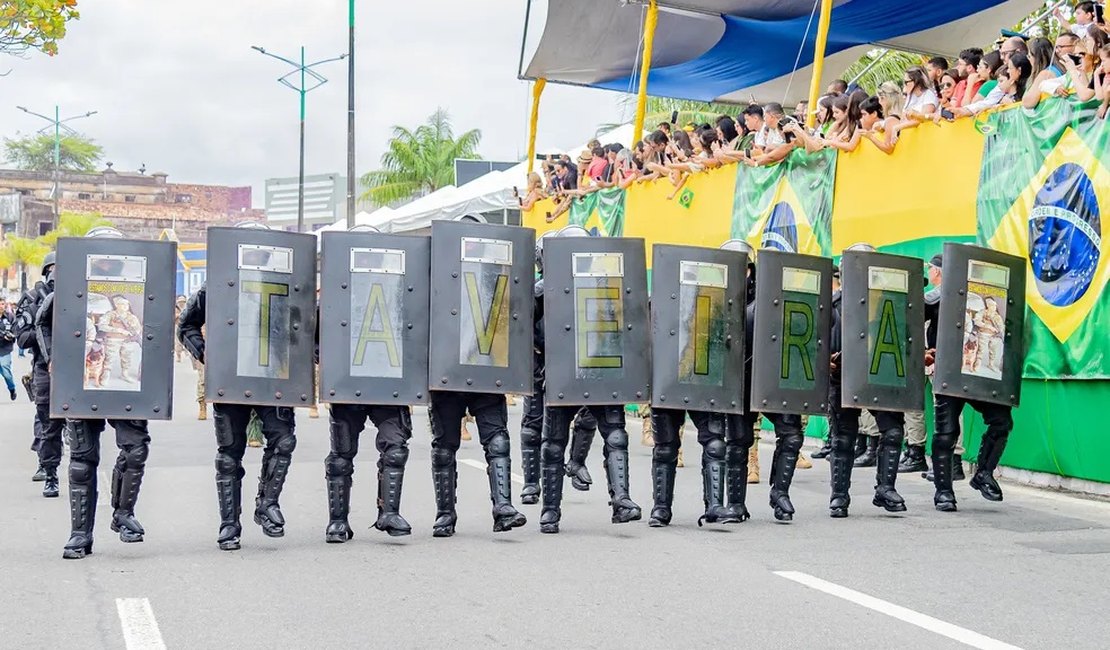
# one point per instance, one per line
(48, 431)
(394, 429)
(231, 422)
(133, 441)
(843, 431)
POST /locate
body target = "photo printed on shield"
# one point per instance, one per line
(702, 323)
(599, 315)
(114, 322)
(985, 319)
(377, 347)
(886, 325)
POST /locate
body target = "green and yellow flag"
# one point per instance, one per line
(601, 212)
(787, 206)
(1045, 180)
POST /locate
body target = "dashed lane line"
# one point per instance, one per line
(140, 629)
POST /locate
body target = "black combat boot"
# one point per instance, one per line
(886, 496)
(229, 494)
(958, 468)
(40, 474)
(713, 485)
(824, 451)
(125, 493)
(580, 441)
(736, 481)
(944, 498)
(445, 481)
(339, 506)
(390, 480)
(499, 470)
(530, 466)
(840, 465)
(267, 514)
(82, 510)
(662, 488)
(782, 474)
(870, 454)
(990, 453)
(50, 488)
(552, 473)
(616, 472)
(914, 460)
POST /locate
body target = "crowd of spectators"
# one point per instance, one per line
(1019, 70)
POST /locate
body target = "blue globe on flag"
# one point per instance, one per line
(781, 230)
(1065, 235)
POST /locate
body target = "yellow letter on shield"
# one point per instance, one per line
(266, 291)
(376, 306)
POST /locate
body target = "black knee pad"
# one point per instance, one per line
(734, 452)
(617, 439)
(338, 466)
(135, 457)
(81, 439)
(790, 442)
(842, 443)
(498, 445)
(227, 465)
(892, 437)
(530, 438)
(944, 441)
(442, 457)
(81, 472)
(664, 453)
(715, 449)
(285, 444)
(395, 456)
(553, 451)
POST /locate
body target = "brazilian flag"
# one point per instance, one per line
(1045, 180)
(601, 212)
(787, 206)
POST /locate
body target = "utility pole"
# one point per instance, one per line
(316, 80)
(59, 126)
(351, 114)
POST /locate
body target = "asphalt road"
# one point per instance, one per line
(1030, 572)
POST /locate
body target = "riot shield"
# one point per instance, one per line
(597, 334)
(697, 328)
(790, 344)
(113, 329)
(374, 318)
(981, 326)
(261, 317)
(481, 308)
(883, 331)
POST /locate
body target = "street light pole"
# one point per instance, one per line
(316, 79)
(351, 114)
(59, 126)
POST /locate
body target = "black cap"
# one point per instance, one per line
(936, 261)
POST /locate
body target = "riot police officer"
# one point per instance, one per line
(132, 438)
(844, 429)
(531, 421)
(48, 431)
(394, 429)
(556, 432)
(230, 422)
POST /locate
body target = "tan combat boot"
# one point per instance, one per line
(647, 437)
(803, 462)
(202, 413)
(753, 463)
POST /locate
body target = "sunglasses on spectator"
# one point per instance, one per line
(907, 81)
(948, 84)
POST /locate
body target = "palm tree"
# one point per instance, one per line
(419, 162)
(885, 65)
(21, 252)
(661, 109)
(73, 224)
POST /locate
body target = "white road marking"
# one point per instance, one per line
(517, 478)
(924, 621)
(140, 630)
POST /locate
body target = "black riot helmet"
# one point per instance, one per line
(48, 263)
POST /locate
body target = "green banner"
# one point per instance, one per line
(1043, 180)
(787, 206)
(609, 205)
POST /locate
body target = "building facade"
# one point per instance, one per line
(325, 201)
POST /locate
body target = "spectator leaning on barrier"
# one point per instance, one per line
(1010, 87)
(934, 69)
(949, 81)
(801, 111)
(967, 65)
(1011, 46)
(753, 124)
(881, 130)
(921, 99)
(837, 87)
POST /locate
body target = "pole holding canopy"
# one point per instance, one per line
(645, 67)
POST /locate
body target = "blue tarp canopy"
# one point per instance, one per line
(743, 50)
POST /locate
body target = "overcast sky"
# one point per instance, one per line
(178, 88)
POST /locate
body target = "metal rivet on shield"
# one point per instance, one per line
(733, 402)
(909, 339)
(443, 380)
(516, 316)
(296, 287)
(469, 382)
(874, 400)
(685, 400)
(410, 288)
(821, 406)
(497, 383)
(959, 326)
(516, 280)
(127, 407)
(420, 396)
(805, 405)
(586, 394)
(628, 290)
(1010, 301)
(673, 296)
(77, 334)
(95, 407)
(247, 393)
(454, 312)
(231, 283)
(662, 398)
(409, 326)
(639, 393)
(994, 393)
(150, 337)
(629, 327)
(672, 332)
(150, 297)
(712, 402)
(566, 327)
(220, 392)
(157, 409)
(965, 389)
(65, 407)
(862, 335)
(304, 398)
(961, 292)
(566, 289)
(615, 394)
(343, 285)
(331, 392)
(454, 274)
(820, 306)
(1013, 398)
(396, 394)
(277, 395)
(774, 302)
(765, 402)
(80, 294)
(342, 323)
(944, 384)
(560, 396)
(855, 398)
(231, 321)
(909, 305)
(774, 337)
(296, 326)
(730, 301)
(862, 301)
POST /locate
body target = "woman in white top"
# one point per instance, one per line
(921, 98)
(1011, 85)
